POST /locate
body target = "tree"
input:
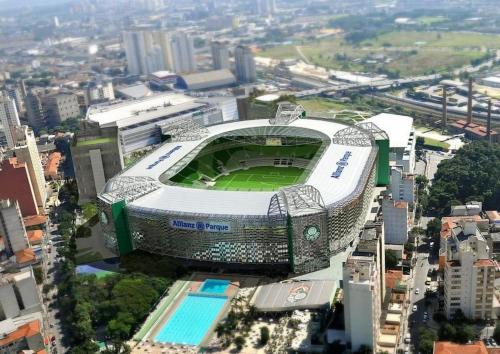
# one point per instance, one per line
(391, 259)
(434, 227)
(427, 339)
(364, 349)
(447, 332)
(496, 333)
(464, 334)
(239, 342)
(264, 335)
(473, 172)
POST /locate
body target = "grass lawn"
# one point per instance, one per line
(260, 178)
(88, 257)
(431, 20)
(95, 141)
(321, 105)
(436, 143)
(409, 52)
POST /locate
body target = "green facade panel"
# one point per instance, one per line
(122, 228)
(383, 169)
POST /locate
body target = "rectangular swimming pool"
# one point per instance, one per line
(214, 286)
(191, 321)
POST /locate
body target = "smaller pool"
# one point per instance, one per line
(214, 286)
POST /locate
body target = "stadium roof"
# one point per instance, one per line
(397, 127)
(278, 297)
(251, 203)
(208, 79)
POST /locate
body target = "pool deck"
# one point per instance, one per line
(144, 338)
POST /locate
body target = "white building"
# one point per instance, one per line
(402, 186)
(26, 152)
(244, 64)
(361, 301)
(402, 139)
(182, 53)
(9, 118)
(150, 51)
(99, 92)
(140, 121)
(396, 216)
(220, 55)
(12, 227)
(469, 273)
(18, 294)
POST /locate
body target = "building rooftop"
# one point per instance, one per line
(109, 113)
(473, 128)
(397, 127)
(455, 348)
(34, 220)
(25, 256)
(34, 236)
(25, 331)
(208, 78)
(485, 263)
(134, 91)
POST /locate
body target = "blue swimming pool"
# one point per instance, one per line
(192, 319)
(214, 286)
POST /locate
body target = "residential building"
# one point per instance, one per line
(97, 157)
(396, 221)
(19, 295)
(9, 119)
(469, 273)
(26, 152)
(99, 91)
(12, 227)
(456, 348)
(372, 242)
(469, 209)
(15, 184)
(150, 51)
(51, 170)
(402, 186)
(266, 8)
(35, 113)
(61, 106)
(220, 55)
(244, 64)
(21, 338)
(182, 48)
(361, 301)
(140, 121)
(17, 94)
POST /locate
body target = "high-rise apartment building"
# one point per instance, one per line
(182, 53)
(151, 51)
(362, 301)
(15, 184)
(18, 295)
(220, 55)
(61, 106)
(34, 110)
(244, 64)
(396, 221)
(12, 227)
(26, 152)
(9, 118)
(96, 157)
(402, 186)
(469, 273)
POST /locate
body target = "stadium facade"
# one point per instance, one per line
(299, 226)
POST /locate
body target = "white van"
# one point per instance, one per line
(408, 338)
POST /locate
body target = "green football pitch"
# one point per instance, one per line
(260, 178)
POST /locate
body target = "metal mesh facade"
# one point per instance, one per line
(251, 240)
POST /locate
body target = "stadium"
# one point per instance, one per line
(288, 191)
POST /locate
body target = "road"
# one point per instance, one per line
(53, 274)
